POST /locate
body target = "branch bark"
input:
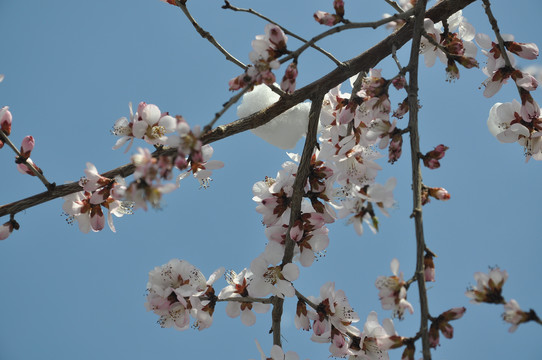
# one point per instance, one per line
(416, 175)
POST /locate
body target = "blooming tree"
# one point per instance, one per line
(344, 124)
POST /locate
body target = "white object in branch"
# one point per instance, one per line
(285, 130)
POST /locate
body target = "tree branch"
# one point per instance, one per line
(416, 175)
(206, 35)
(286, 31)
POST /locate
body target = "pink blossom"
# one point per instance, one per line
(7, 228)
(527, 51)
(431, 159)
(272, 279)
(441, 323)
(173, 289)
(27, 146)
(514, 315)
(375, 340)
(393, 292)
(395, 147)
(24, 169)
(428, 267)
(488, 287)
(301, 319)
(289, 79)
(5, 120)
(334, 305)
(239, 287)
(326, 18)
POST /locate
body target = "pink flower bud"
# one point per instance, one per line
(326, 18)
(434, 336)
(431, 163)
(395, 148)
(399, 82)
(440, 150)
(402, 109)
(453, 314)
(276, 36)
(288, 81)
(5, 120)
(238, 82)
(140, 107)
(439, 193)
(430, 159)
(296, 232)
(408, 353)
(467, 62)
(338, 5)
(527, 51)
(530, 110)
(24, 169)
(429, 267)
(27, 146)
(6, 230)
(446, 329)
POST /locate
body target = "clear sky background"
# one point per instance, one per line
(71, 69)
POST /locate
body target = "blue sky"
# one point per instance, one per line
(72, 68)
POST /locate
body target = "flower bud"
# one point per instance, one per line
(27, 146)
(276, 36)
(439, 193)
(288, 81)
(5, 120)
(429, 267)
(338, 5)
(527, 51)
(326, 18)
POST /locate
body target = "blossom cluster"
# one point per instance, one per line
(152, 171)
(85, 206)
(449, 46)
(328, 19)
(332, 322)
(266, 49)
(488, 289)
(161, 129)
(512, 122)
(178, 290)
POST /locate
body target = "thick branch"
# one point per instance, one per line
(302, 174)
(416, 175)
(362, 62)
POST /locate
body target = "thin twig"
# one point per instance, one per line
(300, 296)
(416, 174)
(31, 166)
(286, 31)
(206, 35)
(394, 5)
(226, 106)
(495, 27)
(352, 25)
